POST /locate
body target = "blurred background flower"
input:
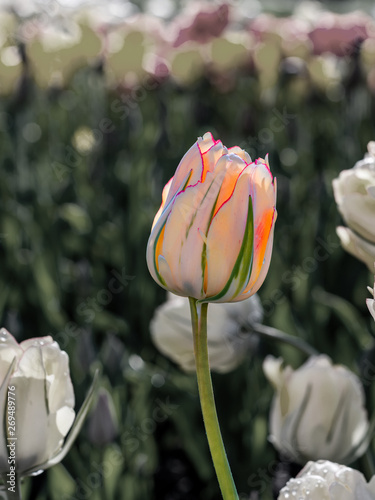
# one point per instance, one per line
(229, 335)
(318, 411)
(102, 424)
(354, 192)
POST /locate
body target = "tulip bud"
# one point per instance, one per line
(212, 236)
(227, 344)
(318, 411)
(325, 480)
(354, 192)
(103, 426)
(41, 402)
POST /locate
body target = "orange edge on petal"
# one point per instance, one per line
(262, 235)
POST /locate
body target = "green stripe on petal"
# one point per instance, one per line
(242, 268)
(154, 250)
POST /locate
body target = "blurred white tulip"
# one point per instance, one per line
(318, 411)
(354, 192)
(228, 345)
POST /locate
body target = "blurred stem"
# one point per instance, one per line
(206, 395)
(273, 333)
(102, 461)
(12, 487)
(368, 464)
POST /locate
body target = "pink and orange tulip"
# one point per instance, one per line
(212, 236)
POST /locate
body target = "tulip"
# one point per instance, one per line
(212, 236)
(227, 345)
(325, 480)
(318, 411)
(37, 404)
(354, 192)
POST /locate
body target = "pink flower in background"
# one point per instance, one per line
(201, 24)
(339, 33)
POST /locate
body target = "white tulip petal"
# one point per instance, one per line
(357, 246)
(32, 422)
(272, 369)
(358, 212)
(64, 419)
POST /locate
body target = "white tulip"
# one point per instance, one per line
(171, 332)
(354, 192)
(318, 411)
(325, 480)
(36, 401)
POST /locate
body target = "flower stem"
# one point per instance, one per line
(273, 333)
(206, 395)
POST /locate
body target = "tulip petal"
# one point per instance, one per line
(164, 197)
(183, 248)
(211, 152)
(236, 150)
(200, 159)
(37, 438)
(74, 431)
(191, 162)
(264, 195)
(242, 267)
(250, 290)
(357, 246)
(358, 212)
(225, 239)
(235, 168)
(155, 241)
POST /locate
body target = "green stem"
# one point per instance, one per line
(15, 492)
(273, 333)
(206, 395)
(368, 464)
